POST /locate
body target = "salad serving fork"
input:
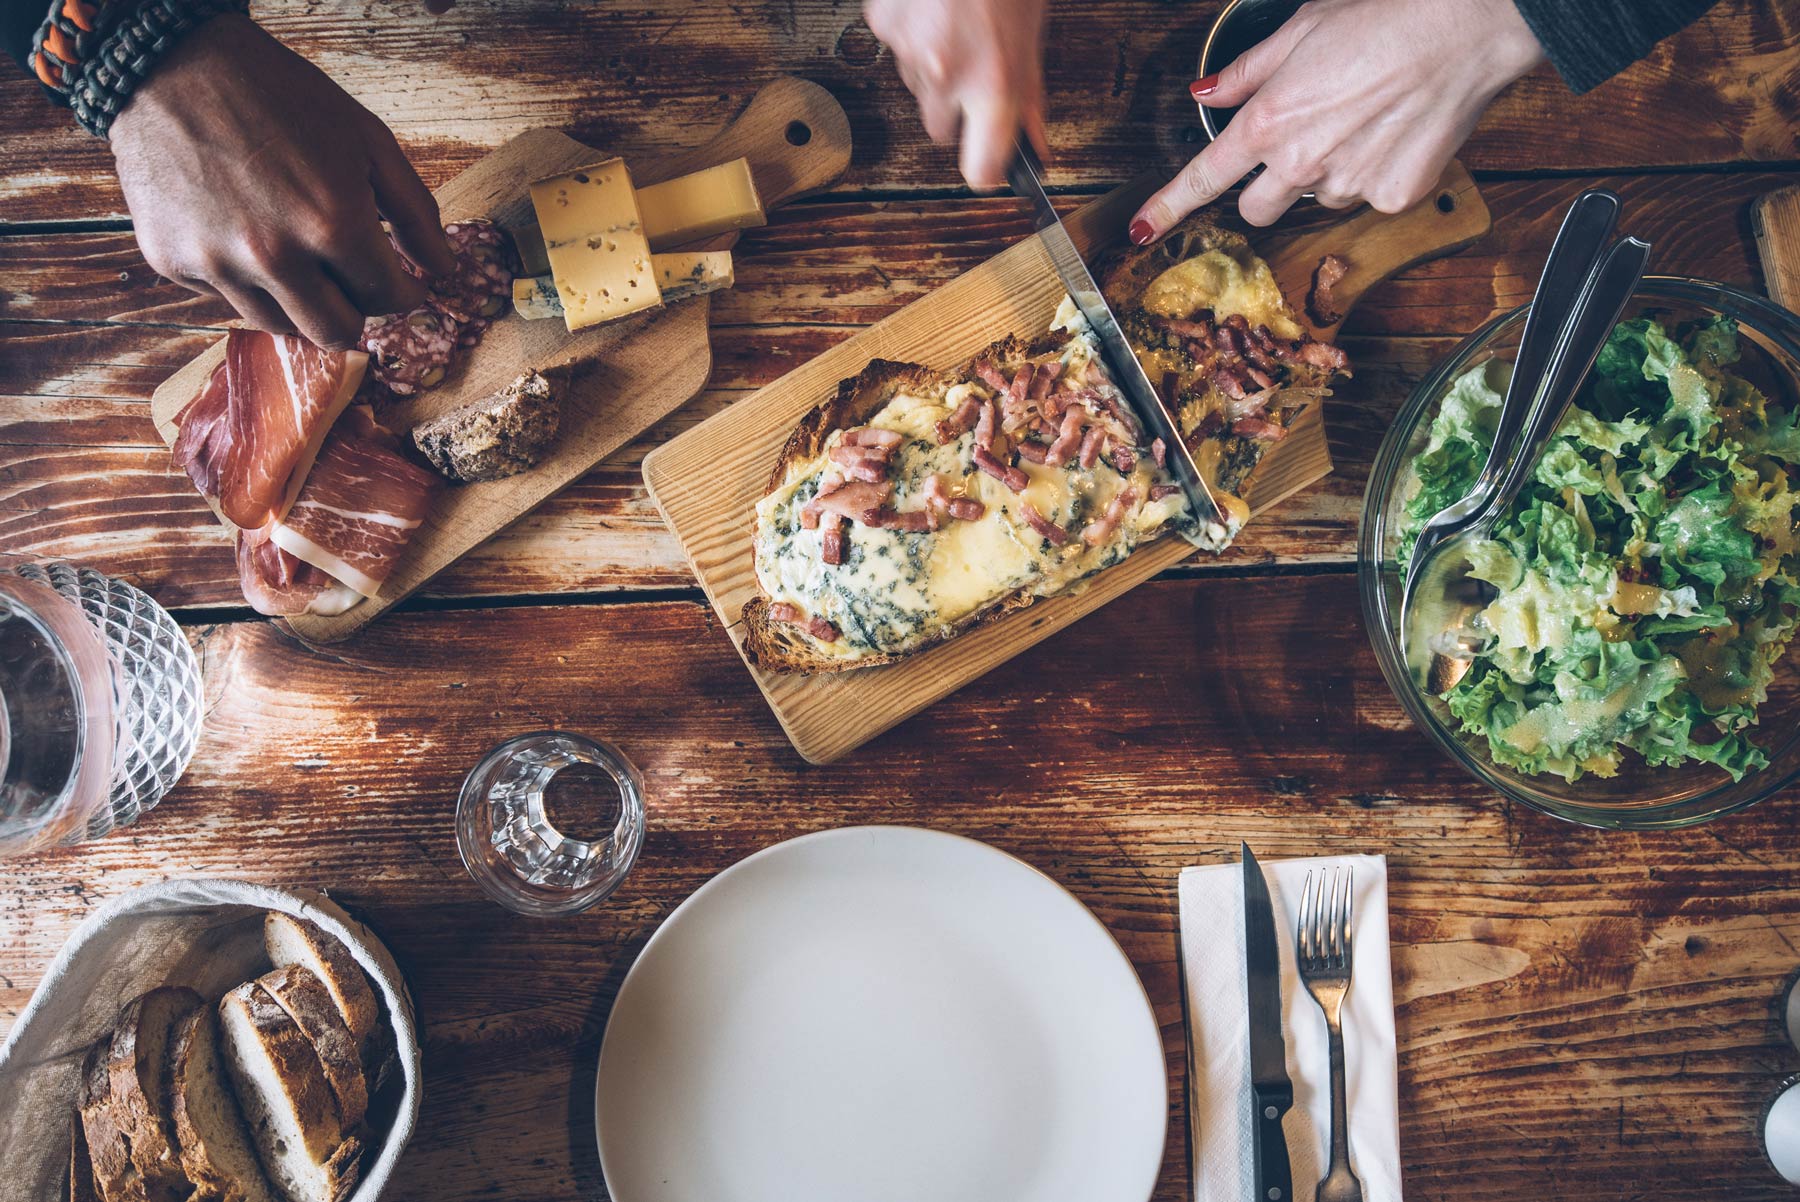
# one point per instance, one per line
(1323, 955)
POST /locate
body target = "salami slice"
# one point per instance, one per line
(481, 285)
(411, 352)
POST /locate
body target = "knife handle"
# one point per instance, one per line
(1274, 1175)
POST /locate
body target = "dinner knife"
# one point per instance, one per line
(1210, 529)
(1271, 1091)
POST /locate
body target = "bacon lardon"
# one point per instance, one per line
(1043, 525)
(960, 422)
(1103, 527)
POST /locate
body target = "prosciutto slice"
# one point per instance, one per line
(251, 436)
(360, 506)
(277, 584)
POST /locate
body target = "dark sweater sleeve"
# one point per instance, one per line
(1590, 41)
(19, 21)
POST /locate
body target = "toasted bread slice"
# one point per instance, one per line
(108, 1149)
(210, 1132)
(290, 940)
(81, 1165)
(287, 1101)
(137, 1066)
(309, 1003)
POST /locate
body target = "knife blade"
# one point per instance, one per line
(1272, 1092)
(1210, 528)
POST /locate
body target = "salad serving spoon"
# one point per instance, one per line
(1580, 297)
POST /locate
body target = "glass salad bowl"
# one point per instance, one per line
(1639, 795)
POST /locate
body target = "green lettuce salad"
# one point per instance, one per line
(1646, 573)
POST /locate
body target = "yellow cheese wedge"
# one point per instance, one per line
(690, 207)
(679, 276)
(594, 239)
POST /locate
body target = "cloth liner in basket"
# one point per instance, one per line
(205, 933)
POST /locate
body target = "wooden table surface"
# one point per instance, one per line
(1581, 1014)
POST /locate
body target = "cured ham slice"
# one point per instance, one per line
(359, 508)
(277, 584)
(250, 438)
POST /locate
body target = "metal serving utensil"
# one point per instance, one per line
(1579, 299)
(1322, 947)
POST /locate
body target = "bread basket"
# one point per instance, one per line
(203, 933)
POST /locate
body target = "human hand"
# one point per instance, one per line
(976, 68)
(1351, 100)
(250, 175)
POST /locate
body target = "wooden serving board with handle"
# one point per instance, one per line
(707, 482)
(622, 379)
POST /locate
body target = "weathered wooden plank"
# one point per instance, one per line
(1572, 1004)
(662, 74)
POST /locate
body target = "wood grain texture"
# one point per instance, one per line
(621, 378)
(706, 483)
(1580, 1014)
(1775, 218)
(639, 78)
(82, 472)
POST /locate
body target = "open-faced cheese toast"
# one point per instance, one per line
(914, 504)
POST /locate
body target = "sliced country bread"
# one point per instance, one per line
(137, 1065)
(213, 1140)
(291, 940)
(286, 1099)
(309, 1003)
(81, 1166)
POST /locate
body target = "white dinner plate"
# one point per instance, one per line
(881, 1013)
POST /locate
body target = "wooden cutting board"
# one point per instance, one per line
(707, 482)
(625, 377)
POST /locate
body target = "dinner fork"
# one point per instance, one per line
(1324, 959)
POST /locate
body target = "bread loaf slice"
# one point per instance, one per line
(290, 940)
(110, 1154)
(137, 1065)
(309, 1003)
(81, 1166)
(210, 1133)
(287, 1102)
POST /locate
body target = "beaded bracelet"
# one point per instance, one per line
(94, 53)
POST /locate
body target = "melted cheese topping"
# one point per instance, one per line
(897, 589)
(1226, 282)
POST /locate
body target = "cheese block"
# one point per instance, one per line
(595, 242)
(676, 212)
(679, 275)
(701, 204)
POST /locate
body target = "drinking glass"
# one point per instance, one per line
(517, 807)
(99, 704)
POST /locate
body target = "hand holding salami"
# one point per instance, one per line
(252, 176)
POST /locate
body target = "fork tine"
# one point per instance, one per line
(1303, 933)
(1331, 920)
(1349, 910)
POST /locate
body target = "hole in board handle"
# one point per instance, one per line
(1446, 202)
(799, 133)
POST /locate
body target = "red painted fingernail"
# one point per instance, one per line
(1141, 232)
(1204, 87)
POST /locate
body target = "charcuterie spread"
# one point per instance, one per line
(914, 504)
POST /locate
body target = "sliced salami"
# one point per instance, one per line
(481, 285)
(411, 352)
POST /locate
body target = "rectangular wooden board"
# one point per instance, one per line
(622, 378)
(707, 482)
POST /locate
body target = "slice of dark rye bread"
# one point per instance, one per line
(310, 1004)
(783, 647)
(216, 1153)
(109, 1152)
(286, 1099)
(138, 1067)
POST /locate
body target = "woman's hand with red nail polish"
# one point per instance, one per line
(976, 68)
(1351, 100)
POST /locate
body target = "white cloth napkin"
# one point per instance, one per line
(1212, 946)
